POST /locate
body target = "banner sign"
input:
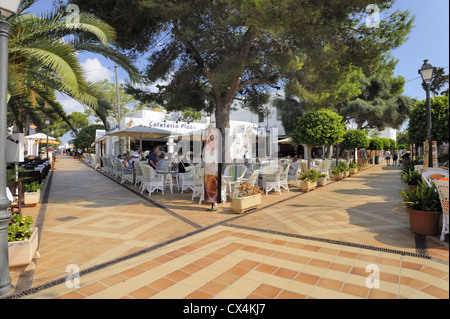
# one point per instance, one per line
(212, 158)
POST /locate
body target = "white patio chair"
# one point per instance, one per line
(442, 187)
(233, 175)
(199, 184)
(151, 181)
(127, 174)
(139, 175)
(284, 178)
(431, 174)
(324, 168)
(117, 168)
(186, 181)
(253, 179)
(419, 168)
(271, 178)
(294, 175)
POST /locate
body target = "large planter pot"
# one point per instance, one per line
(307, 186)
(21, 253)
(241, 205)
(339, 176)
(353, 171)
(322, 181)
(31, 199)
(423, 223)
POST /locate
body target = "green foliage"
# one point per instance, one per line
(87, 136)
(376, 144)
(32, 187)
(411, 177)
(341, 167)
(380, 103)
(353, 165)
(423, 198)
(20, 228)
(417, 129)
(389, 144)
(310, 175)
(355, 139)
(317, 128)
(43, 62)
(208, 53)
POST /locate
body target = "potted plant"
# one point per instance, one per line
(337, 174)
(423, 205)
(32, 193)
(309, 180)
(245, 198)
(22, 241)
(353, 168)
(411, 177)
(322, 181)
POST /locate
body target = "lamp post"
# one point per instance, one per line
(426, 72)
(47, 122)
(7, 8)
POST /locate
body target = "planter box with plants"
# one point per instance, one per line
(424, 207)
(308, 180)
(22, 242)
(246, 197)
(340, 171)
(322, 181)
(353, 168)
(32, 193)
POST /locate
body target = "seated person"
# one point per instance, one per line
(160, 165)
(128, 163)
(293, 166)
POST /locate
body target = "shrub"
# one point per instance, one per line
(20, 228)
(310, 175)
(32, 187)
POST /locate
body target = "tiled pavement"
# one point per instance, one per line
(296, 245)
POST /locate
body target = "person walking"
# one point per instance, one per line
(388, 157)
(395, 158)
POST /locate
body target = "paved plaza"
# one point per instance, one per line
(325, 244)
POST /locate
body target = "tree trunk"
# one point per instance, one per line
(222, 119)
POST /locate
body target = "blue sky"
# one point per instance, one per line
(428, 40)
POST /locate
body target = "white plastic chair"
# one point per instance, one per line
(428, 174)
(186, 181)
(442, 187)
(127, 174)
(139, 175)
(151, 181)
(284, 178)
(271, 178)
(233, 175)
(199, 184)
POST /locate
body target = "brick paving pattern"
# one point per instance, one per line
(295, 246)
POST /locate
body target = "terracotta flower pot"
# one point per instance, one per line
(423, 223)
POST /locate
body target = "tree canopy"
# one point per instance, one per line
(206, 54)
(417, 128)
(355, 139)
(317, 128)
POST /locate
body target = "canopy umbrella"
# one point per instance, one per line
(285, 141)
(49, 142)
(39, 136)
(141, 133)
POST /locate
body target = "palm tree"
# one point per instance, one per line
(43, 61)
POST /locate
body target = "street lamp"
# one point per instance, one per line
(47, 122)
(426, 72)
(7, 8)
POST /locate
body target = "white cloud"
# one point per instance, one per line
(71, 105)
(95, 71)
